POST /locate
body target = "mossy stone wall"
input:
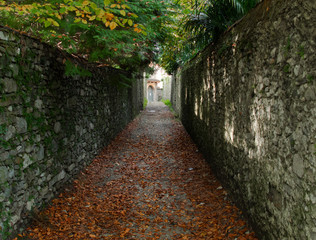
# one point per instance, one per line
(52, 125)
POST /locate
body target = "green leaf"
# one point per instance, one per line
(62, 10)
(123, 13)
(47, 23)
(52, 21)
(107, 2)
(130, 22)
(41, 20)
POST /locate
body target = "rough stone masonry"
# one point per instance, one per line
(249, 102)
(51, 124)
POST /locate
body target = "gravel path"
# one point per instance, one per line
(151, 182)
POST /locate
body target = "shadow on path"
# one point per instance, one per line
(149, 183)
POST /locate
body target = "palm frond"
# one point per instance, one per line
(238, 4)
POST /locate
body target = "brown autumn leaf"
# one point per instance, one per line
(151, 182)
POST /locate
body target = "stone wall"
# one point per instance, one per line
(166, 93)
(52, 125)
(249, 102)
(175, 97)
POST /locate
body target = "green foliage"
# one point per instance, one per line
(197, 26)
(244, 6)
(286, 68)
(223, 48)
(121, 81)
(310, 78)
(169, 104)
(75, 70)
(210, 23)
(5, 230)
(118, 33)
(301, 51)
(287, 47)
(3, 143)
(145, 103)
(3, 129)
(126, 34)
(1, 87)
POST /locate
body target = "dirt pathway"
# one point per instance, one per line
(149, 183)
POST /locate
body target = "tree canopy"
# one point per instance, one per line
(126, 33)
(197, 24)
(119, 33)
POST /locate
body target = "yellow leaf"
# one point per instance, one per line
(53, 22)
(77, 20)
(71, 8)
(107, 23)
(100, 14)
(130, 22)
(109, 16)
(84, 21)
(113, 25)
(85, 3)
(87, 10)
(58, 16)
(92, 18)
(113, 5)
(123, 12)
(124, 6)
(56, 24)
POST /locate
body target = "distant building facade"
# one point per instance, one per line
(158, 86)
(153, 90)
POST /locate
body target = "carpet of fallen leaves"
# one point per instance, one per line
(151, 182)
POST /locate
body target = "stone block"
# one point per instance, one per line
(41, 153)
(44, 191)
(6, 36)
(29, 205)
(38, 104)
(4, 174)
(57, 127)
(61, 175)
(10, 132)
(298, 165)
(26, 161)
(9, 85)
(21, 125)
(71, 167)
(310, 94)
(15, 69)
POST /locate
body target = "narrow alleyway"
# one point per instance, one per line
(149, 183)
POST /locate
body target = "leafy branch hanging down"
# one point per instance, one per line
(200, 23)
(119, 33)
